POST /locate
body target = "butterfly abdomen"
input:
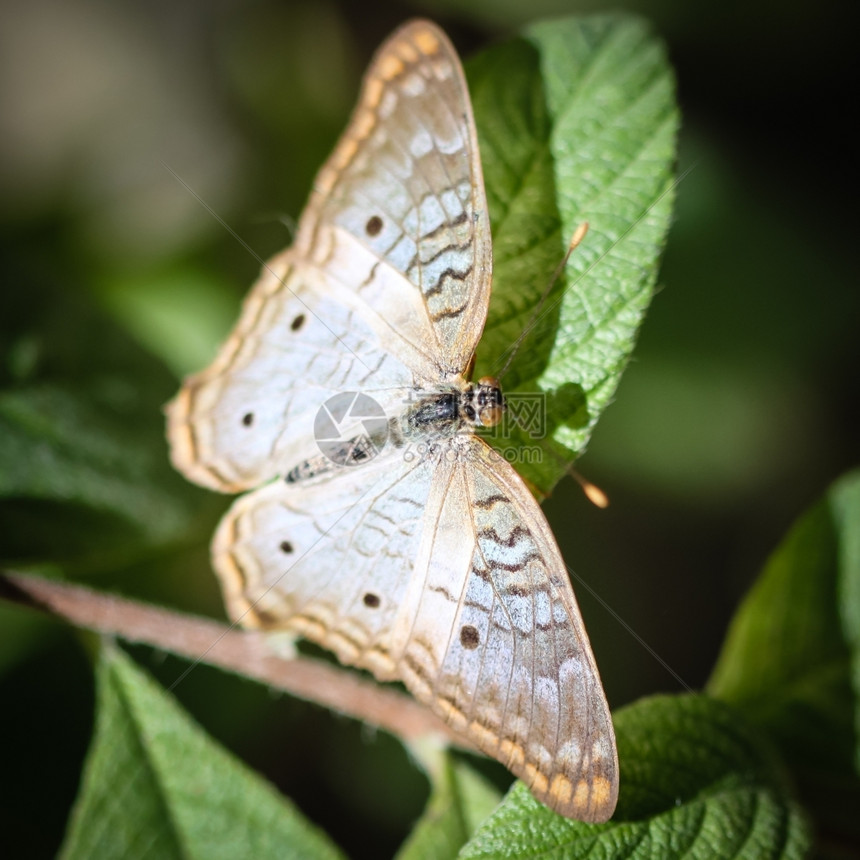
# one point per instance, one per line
(337, 454)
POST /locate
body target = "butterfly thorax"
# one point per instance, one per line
(448, 412)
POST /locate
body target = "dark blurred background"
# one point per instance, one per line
(739, 408)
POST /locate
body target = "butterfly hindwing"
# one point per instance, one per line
(496, 643)
(329, 558)
(385, 289)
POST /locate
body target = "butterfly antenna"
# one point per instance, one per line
(288, 221)
(592, 492)
(576, 239)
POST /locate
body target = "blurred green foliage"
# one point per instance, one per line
(791, 659)
(155, 784)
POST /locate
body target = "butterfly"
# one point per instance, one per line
(378, 523)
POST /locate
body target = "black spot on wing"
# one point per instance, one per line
(469, 637)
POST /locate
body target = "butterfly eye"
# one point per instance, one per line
(297, 323)
(469, 637)
(248, 419)
(286, 547)
(372, 600)
(373, 226)
(491, 415)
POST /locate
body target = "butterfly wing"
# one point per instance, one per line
(442, 572)
(404, 188)
(493, 641)
(250, 415)
(327, 558)
(385, 289)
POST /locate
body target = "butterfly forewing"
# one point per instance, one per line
(250, 415)
(385, 289)
(404, 185)
(443, 572)
(429, 561)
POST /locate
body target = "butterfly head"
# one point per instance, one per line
(488, 402)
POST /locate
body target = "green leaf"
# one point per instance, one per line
(576, 122)
(844, 500)
(180, 312)
(696, 782)
(460, 799)
(84, 473)
(155, 785)
(791, 659)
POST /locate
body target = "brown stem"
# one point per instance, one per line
(243, 652)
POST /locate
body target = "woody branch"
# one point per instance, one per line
(243, 652)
